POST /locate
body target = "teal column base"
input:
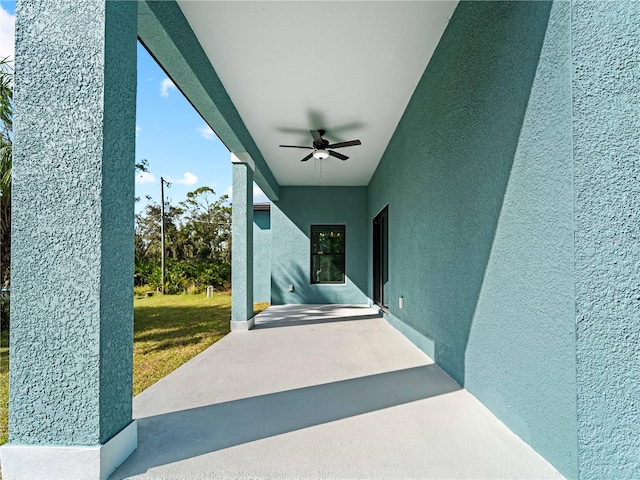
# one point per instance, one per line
(242, 325)
(38, 461)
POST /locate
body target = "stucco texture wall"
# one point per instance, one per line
(242, 241)
(478, 179)
(73, 200)
(291, 220)
(261, 256)
(605, 42)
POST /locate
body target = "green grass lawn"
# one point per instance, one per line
(169, 330)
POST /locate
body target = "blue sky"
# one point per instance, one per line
(174, 139)
(170, 134)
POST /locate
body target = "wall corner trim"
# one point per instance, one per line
(425, 344)
(73, 462)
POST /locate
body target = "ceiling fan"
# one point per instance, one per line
(322, 148)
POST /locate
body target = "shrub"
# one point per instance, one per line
(182, 276)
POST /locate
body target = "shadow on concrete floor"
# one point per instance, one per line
(175, 436)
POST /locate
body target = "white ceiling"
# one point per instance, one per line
(347, 67)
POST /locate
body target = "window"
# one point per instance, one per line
(327, 253)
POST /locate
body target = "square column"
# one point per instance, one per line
(71, 341)
(606, 122)
(242, 243)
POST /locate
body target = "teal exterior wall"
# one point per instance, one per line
(261, 256)
(291, 220)
(72, 233)
(478, 180)
(605, 40)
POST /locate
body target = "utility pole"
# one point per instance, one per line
(162, 182)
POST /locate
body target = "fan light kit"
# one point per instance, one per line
(321, 147)
(320, 154)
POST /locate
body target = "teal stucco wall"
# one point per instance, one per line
(605, 41)
(478, 179)
(261, 256)
(73, 208)
(291, 220)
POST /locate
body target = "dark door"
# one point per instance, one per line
(381, 257)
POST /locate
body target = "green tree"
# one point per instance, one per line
(6, 141)
(147, 232)
(206, 231)
(197, 239)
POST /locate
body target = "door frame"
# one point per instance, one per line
(380, 256)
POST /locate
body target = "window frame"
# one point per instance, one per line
(313, 254)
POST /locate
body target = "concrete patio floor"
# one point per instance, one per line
(320, 391)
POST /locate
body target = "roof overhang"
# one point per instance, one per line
(288, 67)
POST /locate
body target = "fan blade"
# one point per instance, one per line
(317, 137)
(296, 146)
(345, 144)
(307, 157)
(337, 155)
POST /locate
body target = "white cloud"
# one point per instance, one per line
(206, 132)
(7, 33)
(165, 86)
(188, 179)
(145, 177)
(258, 195)
(137, 130)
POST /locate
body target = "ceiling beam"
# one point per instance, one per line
(167, 35)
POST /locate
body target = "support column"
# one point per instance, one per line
(606, 122)
(71, 341)
(242, 243)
